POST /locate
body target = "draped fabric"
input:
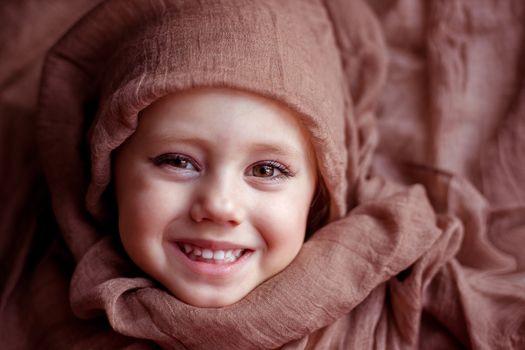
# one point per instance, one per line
(416, 116)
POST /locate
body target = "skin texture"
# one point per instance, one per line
(214, 169)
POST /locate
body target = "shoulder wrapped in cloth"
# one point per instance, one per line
(380, 274)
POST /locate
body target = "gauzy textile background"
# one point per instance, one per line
(451, 116)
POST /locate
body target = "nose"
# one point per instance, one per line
(219, 202)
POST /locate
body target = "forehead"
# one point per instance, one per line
(223, 116)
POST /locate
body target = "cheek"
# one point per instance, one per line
(145, 208)
(282, 221)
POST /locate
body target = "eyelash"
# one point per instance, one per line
(169, 158)
(285, 172)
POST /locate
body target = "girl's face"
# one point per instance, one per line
(213, 193)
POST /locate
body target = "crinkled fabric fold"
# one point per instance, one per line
(397, 267)
(374, 242)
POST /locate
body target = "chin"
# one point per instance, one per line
(209, 298)
(211, 301)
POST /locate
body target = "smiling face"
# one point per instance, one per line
(213, 192)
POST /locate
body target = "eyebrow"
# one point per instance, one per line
(170, 138)
(282, 149)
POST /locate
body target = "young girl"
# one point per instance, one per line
(208, 205)
(190, 148)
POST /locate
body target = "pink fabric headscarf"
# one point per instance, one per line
(141, 51)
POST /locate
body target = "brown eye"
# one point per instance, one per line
(269, 170)
(263, 170)
(176, 161)
(180, 162)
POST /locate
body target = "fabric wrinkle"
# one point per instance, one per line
(416, 116)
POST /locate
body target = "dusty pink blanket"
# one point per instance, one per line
(431, 266)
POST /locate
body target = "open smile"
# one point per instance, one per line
(211, 256)
(212, 259)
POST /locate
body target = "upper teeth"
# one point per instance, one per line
(218, 255)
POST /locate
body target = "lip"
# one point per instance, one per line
(210, 270)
